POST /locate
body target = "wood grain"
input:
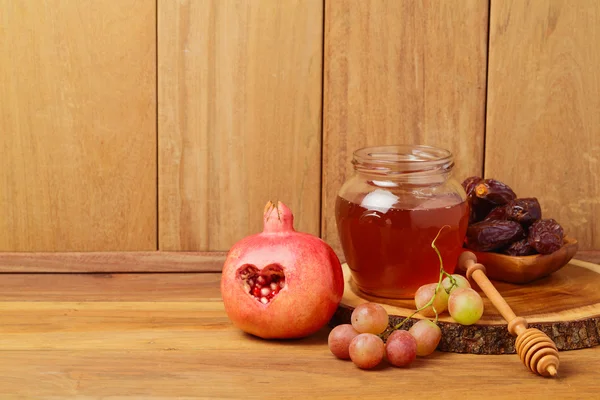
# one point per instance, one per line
(307, 369)
(239, 117)
(188, 350)
(401, 72)
(137, 261)
(589, 256)
(149, 287)
(78, 125)
(543, 125)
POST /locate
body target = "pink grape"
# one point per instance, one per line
(366, 350)
(428, 336)
(401, 348)
(424, 295)
(369, 318)
(339, 340)
(465, 306)
(461, 282)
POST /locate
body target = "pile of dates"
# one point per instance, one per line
(501, 222)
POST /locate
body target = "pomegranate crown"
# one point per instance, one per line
(278, 218)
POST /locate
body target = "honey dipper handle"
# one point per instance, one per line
(476, 272)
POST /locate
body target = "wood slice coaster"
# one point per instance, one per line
(564, 305)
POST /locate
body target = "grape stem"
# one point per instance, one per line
(443, 274)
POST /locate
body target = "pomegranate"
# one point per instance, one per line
(281, 284)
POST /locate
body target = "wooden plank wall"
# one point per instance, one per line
(401, 72)
(543, 114)
(239, 117)
(267, 99)
(77, 125)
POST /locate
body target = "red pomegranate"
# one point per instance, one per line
(281, 284)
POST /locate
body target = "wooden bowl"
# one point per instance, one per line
(526, 269)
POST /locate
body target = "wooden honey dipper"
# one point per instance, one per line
(536, 350)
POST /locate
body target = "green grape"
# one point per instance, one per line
(461, 282)
(465, 306)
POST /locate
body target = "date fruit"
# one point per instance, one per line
(470, 183)
(497, 214)
(492, 235)
(546, 236)
(501, 222)
(479, 208)
(520, 248)
(524, 211)
(494, 192)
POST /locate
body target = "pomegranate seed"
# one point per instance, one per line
(262, 287)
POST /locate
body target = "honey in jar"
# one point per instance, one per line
(390, 211)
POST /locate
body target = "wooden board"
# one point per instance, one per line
(239, 118)
(401, 72)
(138, 261)
(564, 305)
(78, 125)
(543, 124)
(120, 287)
(106, 262)
(159, 336)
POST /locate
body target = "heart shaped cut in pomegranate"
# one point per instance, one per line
(263, 284)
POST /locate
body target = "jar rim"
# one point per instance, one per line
(403, 159)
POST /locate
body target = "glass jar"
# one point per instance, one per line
(389, 212)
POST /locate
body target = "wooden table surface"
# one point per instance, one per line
(166, 336)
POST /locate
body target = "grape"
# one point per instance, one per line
(461, 282)
(424, 295)
(366, 350)
(401, 348)
(369, 318)
(339, 340)
(428, 336)
(465, 306)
